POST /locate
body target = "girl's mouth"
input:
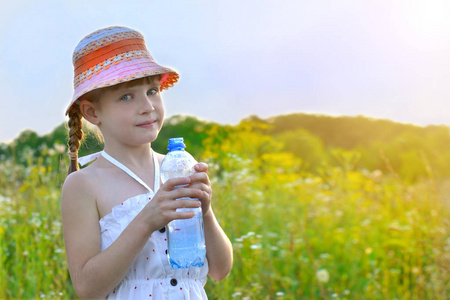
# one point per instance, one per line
(146, 124)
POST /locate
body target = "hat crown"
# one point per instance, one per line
(111, 56)
(102, 38)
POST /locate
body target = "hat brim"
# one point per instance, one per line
(123, 72)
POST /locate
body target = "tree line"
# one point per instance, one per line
(319, 141)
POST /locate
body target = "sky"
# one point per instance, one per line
(377, 58)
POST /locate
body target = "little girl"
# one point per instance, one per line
(115, 210)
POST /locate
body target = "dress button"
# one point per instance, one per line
(162, 230)
(173, 282)
(166, 251)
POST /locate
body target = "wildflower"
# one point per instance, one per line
(368, 251)
(304, 259)
(376, 175)
(365, 222)
(256, 246)
(279, 294)
(323, 275)
(59, 148)
(35, 220)
(236, 294)
(334, 295)
(346, 292)
(25, 253)
(274, 235)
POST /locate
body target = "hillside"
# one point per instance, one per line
(316, 139)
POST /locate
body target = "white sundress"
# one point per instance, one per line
(151, 276)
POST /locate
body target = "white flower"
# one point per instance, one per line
(256, 246)
(323, 275)
(365, 222)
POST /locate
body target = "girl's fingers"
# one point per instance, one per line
(173, 182)
(201, 167)
(183, 215)
(200, 186)
(199, 177)
(185, 193)
(185, 203)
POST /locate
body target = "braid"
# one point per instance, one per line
(75, 136)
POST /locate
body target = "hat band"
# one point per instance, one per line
(100, 55)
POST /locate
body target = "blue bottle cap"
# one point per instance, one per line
(176, 144)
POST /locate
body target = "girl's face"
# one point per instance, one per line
(131, 113)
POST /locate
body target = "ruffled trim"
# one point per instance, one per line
(121, 215)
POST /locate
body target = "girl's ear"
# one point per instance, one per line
(89, 111)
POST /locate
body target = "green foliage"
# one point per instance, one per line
(411, 152)
(190, 128)
(306, 146)
(303, 225)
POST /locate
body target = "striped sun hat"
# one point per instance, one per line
(111, 56)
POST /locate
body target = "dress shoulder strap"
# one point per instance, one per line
(132, 174)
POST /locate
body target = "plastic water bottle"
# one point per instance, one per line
(185, 237)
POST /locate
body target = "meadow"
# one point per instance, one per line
(333, 232)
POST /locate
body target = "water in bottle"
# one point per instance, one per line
(185, 238)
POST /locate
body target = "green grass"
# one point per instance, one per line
(344, 234)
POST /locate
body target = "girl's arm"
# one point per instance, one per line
(219, 250)
(94, 273)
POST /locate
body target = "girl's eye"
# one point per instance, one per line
(152, 92)
(125, 97)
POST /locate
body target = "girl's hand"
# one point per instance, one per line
(200, 181)
(162, 208)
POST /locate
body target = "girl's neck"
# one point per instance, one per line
(140, 156)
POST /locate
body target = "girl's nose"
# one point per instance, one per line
(146, 105)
